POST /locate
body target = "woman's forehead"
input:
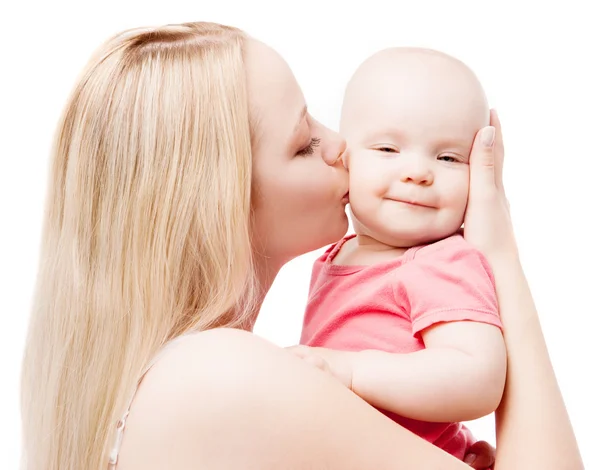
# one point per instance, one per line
(273, 91)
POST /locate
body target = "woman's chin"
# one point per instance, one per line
(339, 232)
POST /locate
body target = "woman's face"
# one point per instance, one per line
(300, 187)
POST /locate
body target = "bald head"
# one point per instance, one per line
(409, 117)
(410, 61)
(420, 86)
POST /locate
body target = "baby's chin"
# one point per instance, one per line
(408, 238)
(403, 235)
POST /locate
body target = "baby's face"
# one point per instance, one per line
(410, 118)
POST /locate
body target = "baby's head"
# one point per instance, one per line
(410, 117)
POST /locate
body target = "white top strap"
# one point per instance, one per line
(114, 453)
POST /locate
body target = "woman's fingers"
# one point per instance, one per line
(482, 162)
(498, 150)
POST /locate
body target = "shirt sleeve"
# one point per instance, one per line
(449, 281)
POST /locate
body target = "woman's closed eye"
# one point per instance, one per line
(310, 148)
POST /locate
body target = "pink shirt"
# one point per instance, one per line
(385, 307)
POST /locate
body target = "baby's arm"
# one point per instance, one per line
(448, 291)
(459, 377)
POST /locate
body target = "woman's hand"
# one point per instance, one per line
(488, 226)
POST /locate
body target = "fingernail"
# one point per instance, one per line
(470, 458)
(487, 136)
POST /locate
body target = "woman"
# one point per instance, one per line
(186, 172)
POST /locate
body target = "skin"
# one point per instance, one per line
(192, 414)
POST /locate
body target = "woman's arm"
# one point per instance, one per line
(228, 399)
(224, 399)
(533, 427)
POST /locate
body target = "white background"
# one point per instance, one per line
(540, 65)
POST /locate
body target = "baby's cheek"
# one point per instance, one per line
(363, 175)
(460, 203)
(458, 189)
(454, 198)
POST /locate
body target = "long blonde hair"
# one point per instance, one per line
(146, 234)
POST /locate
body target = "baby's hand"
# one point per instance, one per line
(307, 353)
(481, 455)
(330, 361)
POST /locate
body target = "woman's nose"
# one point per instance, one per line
(334, 148)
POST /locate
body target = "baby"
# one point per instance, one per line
(404, 313)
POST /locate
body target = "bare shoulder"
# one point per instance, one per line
(195, 390)
(209, 360)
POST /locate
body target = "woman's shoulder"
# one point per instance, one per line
(213, 359)
(194, 387)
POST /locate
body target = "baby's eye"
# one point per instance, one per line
(448, 158)
(387, 149)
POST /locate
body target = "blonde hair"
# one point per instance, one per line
(147, 230)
